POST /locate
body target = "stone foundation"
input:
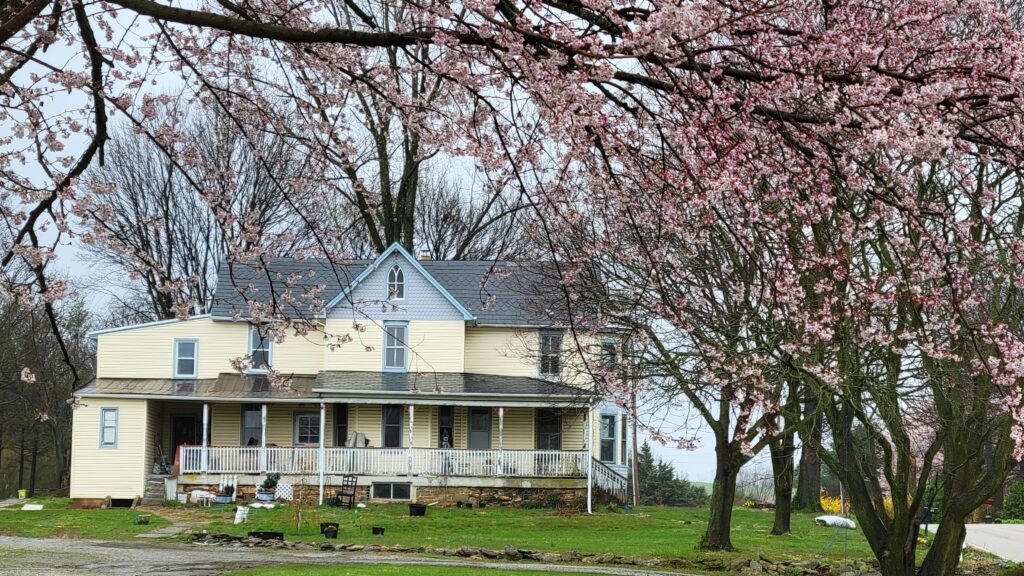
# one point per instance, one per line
(573, 498)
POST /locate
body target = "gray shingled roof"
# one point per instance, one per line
(439, 386)
(518, 288)
(441, 383)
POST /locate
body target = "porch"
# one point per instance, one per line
(410, 461)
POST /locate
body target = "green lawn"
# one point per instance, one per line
(57, 520)
(374, 570)
(653, 531)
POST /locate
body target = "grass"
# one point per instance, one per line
(652, 531)
(372, 570)
(57, 520)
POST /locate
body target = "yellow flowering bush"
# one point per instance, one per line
(833, 505)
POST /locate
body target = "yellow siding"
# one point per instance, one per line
(299, 354)
(368, 422)
(518, 429)
(574, 429)
(435, 346)
(501, 351)
(118, 472)
(225, 424)
(148, 352)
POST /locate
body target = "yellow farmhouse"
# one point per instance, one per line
(426, 380)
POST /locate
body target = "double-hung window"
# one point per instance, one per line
(550, 353)
(307, 429)
(445, 426)
(395, 350)
(609, 353)
(608, 438)
(186, 358)
(259, 351)
(340, 424)
(108, 427)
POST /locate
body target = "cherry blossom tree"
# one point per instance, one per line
(794, 132)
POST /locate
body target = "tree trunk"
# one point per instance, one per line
(808, 490)
(21, 460)
(782, 451)
(944, 554)
(723, 494)
(32, 474)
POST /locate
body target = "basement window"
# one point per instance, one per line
(392, 491)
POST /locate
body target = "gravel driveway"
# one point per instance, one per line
(37, 556)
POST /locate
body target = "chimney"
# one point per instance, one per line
(424, 255)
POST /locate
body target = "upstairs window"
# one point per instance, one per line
(609, 353)
(395, 337)
(396, 283)
(550, 353)
(186, 356)
(108, 428)
(259, 351)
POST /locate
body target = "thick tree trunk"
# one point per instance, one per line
(723, 494)
(944, 553)
(808, 490)
(782, 451)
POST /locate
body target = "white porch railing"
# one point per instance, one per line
(611, 482)
(385, 461)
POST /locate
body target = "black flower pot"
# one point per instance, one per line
(329, 529)
(378, 531)
(417, 509)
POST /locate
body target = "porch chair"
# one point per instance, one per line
(347, 495)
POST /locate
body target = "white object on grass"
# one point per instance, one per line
(360, 505)
(32, 507)
(267, 505)
(835, 521)
(241, 513)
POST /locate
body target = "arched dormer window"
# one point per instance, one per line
(396, 283)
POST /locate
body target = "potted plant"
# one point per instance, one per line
(225, 496)
(265, 493)
(416, 509)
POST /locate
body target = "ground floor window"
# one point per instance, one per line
(392, 491)
(445, 426)
(307, 429)
(549, 429)
(392, 426)
(252, 425)
(608, 438)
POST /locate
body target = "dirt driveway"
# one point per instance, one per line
(38, 556)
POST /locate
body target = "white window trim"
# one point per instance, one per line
(270, 352)
(195, 358)
(295, 428)
(117, 418)
(614, 437)
(387, 284)
(404, 344)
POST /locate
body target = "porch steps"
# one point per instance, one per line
(154, 491)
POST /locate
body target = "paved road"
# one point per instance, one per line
(46, 556)
(1003, 540)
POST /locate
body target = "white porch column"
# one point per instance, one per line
(204, 459)
(408, 450)
(263, 438)
(322, 456)
(590, 459)
(501, 441)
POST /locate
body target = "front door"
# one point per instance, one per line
(183, 431)
(479, 429)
